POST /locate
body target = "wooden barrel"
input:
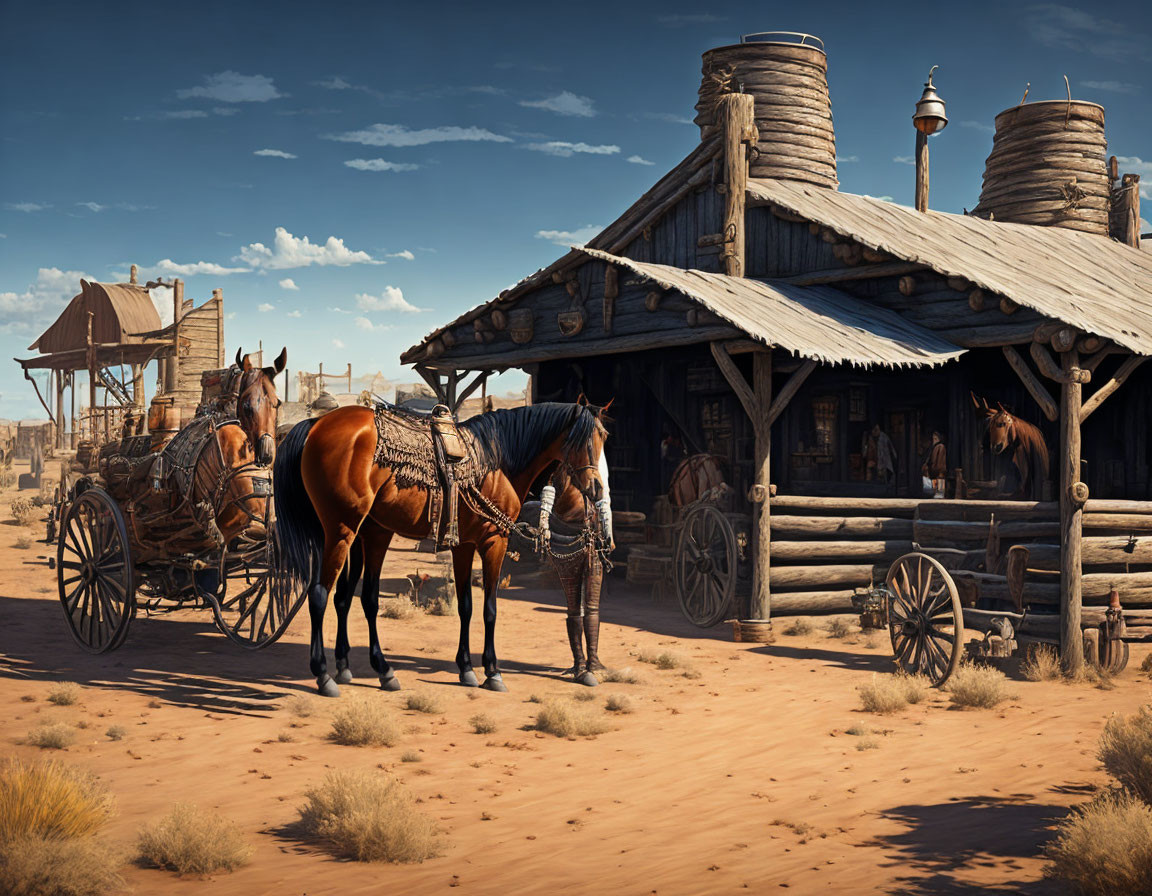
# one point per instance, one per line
(1047, 166)
(789, 81)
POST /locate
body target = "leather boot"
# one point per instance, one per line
(592, 636)
(575, 641)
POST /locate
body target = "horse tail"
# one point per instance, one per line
(297, 526)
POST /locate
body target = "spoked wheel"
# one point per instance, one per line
(94, 571)
(924, 617)
(705, 565)
(261, 598)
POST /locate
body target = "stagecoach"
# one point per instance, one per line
(167, 527)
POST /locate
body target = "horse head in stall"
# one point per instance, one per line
(1008, 434)
(257, 404)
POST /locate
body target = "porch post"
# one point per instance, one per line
(1073, 494)
(760, 609)
(59, 374)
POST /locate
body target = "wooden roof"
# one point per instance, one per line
(121, 313)
(1092, 282)
(816, 322)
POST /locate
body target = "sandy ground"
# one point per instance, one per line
(703, 789)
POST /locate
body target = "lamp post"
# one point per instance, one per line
(928, 119)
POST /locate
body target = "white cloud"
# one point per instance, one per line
(91, 206)
(380, 165)
(639, 160)
(336, 310)
(362, 323)
(978, 126)
(881, 198)
(403, 253)
(45, 297)
(564, 149)
(288, 283)
(171, 268)
(226, 111)
(26, 206)
(399, 135)
(841, 159)
(333, 83)
(1111, 86)
(233, 87)
(288, 251)
(1135, 165)
(265, 307)
(182, 114)
(564, 103)
(569, 237)
(338, 343)
(230, 315)
(392, 299)
(670, 117)
(274, 153)
(1072, 30)
(904, 160)
(295, 314)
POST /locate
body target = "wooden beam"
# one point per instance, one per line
(476, 383)
(1118, 379)
(1035, 388)
(795, 381)
(736, 114)
(760, 608)
(1053, 371)
(432, 378)
(735, 379)
(1072, 496)
(862, 272)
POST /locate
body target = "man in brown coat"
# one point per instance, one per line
(936, 465)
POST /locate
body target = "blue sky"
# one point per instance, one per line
(354, 174)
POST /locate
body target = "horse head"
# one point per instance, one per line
(585, 465)
(257, 404)
(1001, 424)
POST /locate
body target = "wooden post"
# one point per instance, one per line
(59, 409)
(760, 608)
(1073, 493)
(91, 358)
(132, 274)
(736, 114)
(173, 368)
(921, 171)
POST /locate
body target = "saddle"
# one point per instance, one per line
(429, 453)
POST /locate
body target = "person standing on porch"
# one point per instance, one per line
(885, 455)
(936, 464)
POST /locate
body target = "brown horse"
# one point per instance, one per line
(1023, 441)
(331, 491)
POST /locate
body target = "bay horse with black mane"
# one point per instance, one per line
(1023, 441)
(367, 474)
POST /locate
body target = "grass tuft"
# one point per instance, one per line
(116, 732)
(1105, 846)
(66, 693)
(57, 736)
(1146, 665)
(363, 723)
(189, 840)
(839, 628)
(49, 799)
(867, 743)
(369, 818)
(398, 608)
(410, 756)
(585, 696)
(1042, 663)
(620, 676)
(482, 723)
(302, 706)
(1126, 752)
(43, 866)
(978, 687)
(619, 703)
(570, 721)
(423, 701)
(890, 693)
(665, 659)
(799, 627)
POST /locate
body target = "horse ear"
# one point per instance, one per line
(239, 357)
(610, 400)
(582, 400)
(280, 363)
(1000, 405)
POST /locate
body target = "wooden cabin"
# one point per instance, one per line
(746, 308)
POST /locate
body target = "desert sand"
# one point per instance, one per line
(742, 778)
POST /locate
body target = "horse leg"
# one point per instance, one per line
(343, 601)
(462, 572)
(376, 542)
(491, 560)
(336, 548)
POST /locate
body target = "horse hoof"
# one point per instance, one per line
(390, 682)
(494, 683)
(587, 679)
(469, 680)
(344, 676)
(327, 687)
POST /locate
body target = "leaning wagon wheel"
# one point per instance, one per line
(265, 598)
(925, 618)
(705, 561)
(96, 580)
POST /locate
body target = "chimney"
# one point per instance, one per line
(787, 75)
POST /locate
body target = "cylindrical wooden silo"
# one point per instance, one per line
(1048, 166)
(788, 75)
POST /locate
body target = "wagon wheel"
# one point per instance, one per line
(266, 598)
(96, 580)
(925, 617)
(705, 565)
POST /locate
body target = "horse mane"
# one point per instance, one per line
(511, 438)
(1033, 441)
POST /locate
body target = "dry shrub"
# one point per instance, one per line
(979, 687)
(889, 693)
(857, 731)
(50, 799)
(24, 511)
(570, 721)
(482, 724)
(369, 818)
(398, 608)
(23, 542)
(39, 866)
(1146, 665)
(1105, 847)
(66, 693)
(799, 626)
(666, 659)
(410, 756)
(1126, 752)
(57, 736)
(302, 706)
(620, 676)
(116, 732)
(839, 627)
(7, 478)
(1042, 663)
(618, 703)
(584, 696)
(867, 743)
(422, 701)
(189, 840)
(442, 607)
(362, 723)
(286, 737)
